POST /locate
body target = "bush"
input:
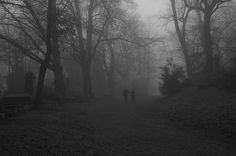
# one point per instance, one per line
(229, 80)
(173, 78)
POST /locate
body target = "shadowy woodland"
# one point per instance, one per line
(65, 64)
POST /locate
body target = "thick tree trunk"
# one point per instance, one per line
(59, 83)
(187, 61)
(60, 88)
(208, 43)
(40, 85)
(51, 19)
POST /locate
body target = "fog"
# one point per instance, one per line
(117, 77)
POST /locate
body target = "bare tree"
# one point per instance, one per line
(51, 39)
(29, 20)
(208, 8)
(86, 31)
(180, 17)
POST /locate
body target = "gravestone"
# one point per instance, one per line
(29, 82)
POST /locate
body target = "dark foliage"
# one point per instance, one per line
(229, 80)
(173, 78)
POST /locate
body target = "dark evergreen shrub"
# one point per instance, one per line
(173, 77)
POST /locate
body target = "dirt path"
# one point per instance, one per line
(104, 129)
(138, 132)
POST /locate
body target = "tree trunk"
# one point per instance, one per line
(43, 68)
(59, 83)
(187, 61)
(60, 88)
(208, 43)
(111, 81)
(40, 85)
(182, 38)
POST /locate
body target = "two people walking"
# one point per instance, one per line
(126, 94)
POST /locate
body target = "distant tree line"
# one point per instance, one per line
(87, 30)
(205, 31)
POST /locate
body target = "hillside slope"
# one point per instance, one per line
(209, 108)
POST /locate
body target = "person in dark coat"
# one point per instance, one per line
(125, 95)
(133, 96)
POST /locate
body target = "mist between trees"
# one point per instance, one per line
(96, 48)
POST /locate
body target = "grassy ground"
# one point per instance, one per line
(53, 131)
(210, 109)
(105, 127)
(144, 129)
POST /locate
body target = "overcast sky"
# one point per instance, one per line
(148, 8)
(151, 13)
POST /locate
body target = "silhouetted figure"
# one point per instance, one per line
(133, 96)
(126, 94)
